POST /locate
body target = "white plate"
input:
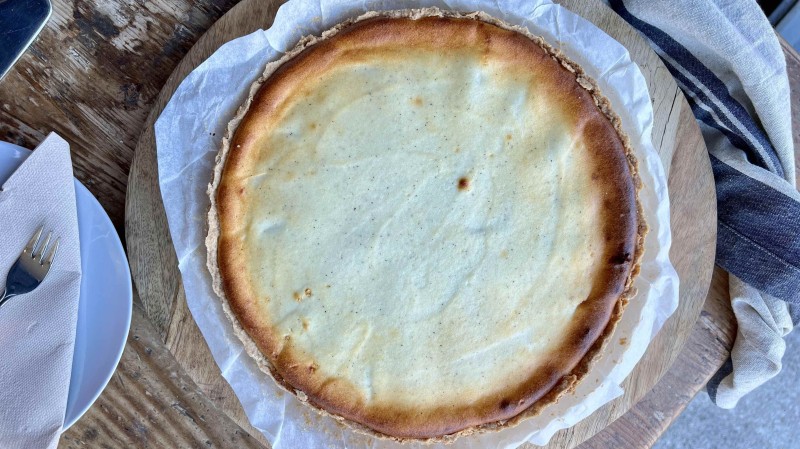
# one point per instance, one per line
(104, 311)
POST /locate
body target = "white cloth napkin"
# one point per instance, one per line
(37, 330)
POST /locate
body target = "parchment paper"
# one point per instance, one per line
(188, 136)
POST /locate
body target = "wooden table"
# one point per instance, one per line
(92, 76)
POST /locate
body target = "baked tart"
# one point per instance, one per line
(425, 223)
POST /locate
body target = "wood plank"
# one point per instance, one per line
(708, 347)
(187, 344)
(92, 76)
(152, 402)
(157, 264)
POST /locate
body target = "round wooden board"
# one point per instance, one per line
(675, 136)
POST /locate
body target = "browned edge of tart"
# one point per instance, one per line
(591, 349)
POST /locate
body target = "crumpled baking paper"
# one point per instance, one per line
(188, 136)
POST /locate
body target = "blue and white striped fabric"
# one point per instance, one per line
(729, 64)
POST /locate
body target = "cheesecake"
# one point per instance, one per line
(425, 223)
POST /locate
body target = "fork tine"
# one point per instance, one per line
(33, 241)
(42, 249)
(52, 255)
(41, 246)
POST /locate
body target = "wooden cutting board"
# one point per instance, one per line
(676, 137)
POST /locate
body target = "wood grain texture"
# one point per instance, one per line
(92, 76)
(707, 349)
(155, 265)
(676, 135)
(151, 402)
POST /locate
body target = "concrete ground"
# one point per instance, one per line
(767, 418)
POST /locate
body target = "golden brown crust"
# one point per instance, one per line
(614, 174)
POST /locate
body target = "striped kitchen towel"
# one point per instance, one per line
(727, 60)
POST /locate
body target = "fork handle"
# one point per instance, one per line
(6, 296)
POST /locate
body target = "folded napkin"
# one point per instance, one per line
(37, 330)
(727, 60)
